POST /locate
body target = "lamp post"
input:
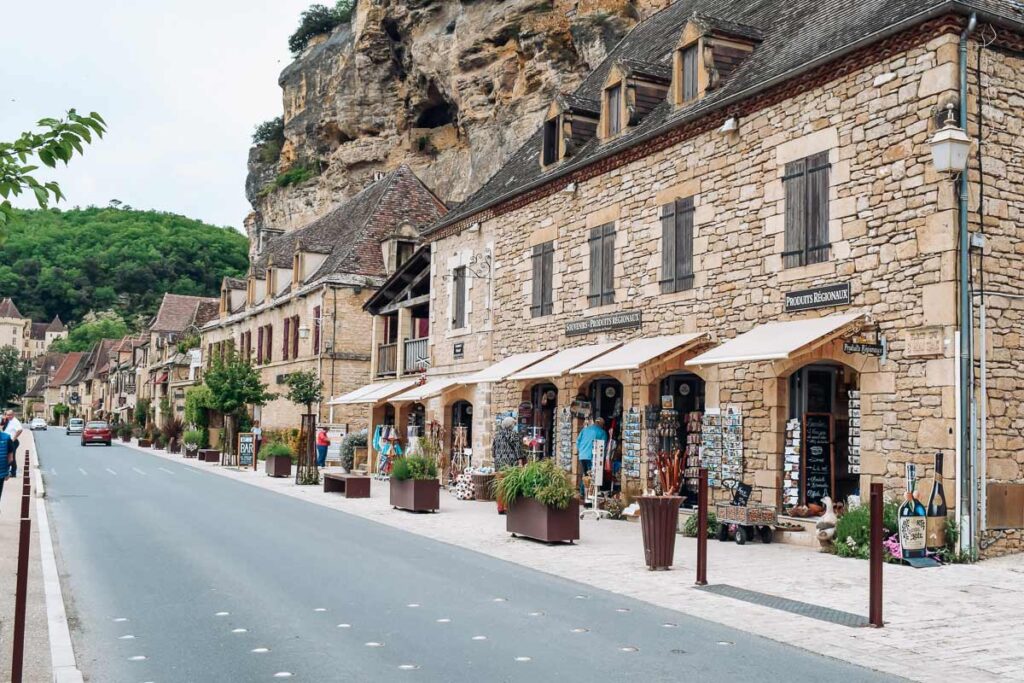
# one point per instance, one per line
(950, 146)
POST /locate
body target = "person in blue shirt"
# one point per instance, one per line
(6, 459)
(585, 444)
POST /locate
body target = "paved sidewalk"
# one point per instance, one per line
(37, 641)
(957, 620)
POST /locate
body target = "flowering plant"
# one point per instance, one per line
(893, 547)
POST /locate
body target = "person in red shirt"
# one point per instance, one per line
(322, 442)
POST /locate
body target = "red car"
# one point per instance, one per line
(96, 432)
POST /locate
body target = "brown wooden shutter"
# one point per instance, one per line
(690, 73)
(285, 347)
(668, 247)
(594, 294)
(795, 182)
(537, 300)
(295, 336)
(608, 263)
(270, 343)
(817, 208)
(547, 278)
(316, 329)
(684, 243)
(259, 345)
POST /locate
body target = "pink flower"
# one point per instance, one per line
(893, 547)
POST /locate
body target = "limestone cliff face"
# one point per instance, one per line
(450, 87)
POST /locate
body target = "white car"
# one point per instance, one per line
(75, 425)
(37, 423)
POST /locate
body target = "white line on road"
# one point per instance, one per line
(164, 469)
(62, 654)
(83, 471)
(53, 471)
(136, 469)
(111, 471)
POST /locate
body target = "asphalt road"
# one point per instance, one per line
(173, 574)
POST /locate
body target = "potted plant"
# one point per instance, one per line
(172, 432)
(414, 484)
(278, 460)
(145, 438)
(193, 442)
(158, 442)
(124, 432)
(350, 447)
(659, 513)
(541, 502)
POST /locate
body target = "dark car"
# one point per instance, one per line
(96, 432)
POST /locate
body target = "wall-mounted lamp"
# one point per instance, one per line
(569, 189)
(731, 125)
(474, 227)
(950, 146)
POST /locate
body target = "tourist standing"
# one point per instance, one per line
(13, 428)
(6, 460)
(322, 442)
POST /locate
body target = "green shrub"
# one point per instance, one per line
(414, 467)
(269, 131)
(542, 480)
(319, 19)
(349, 444)
(296, 175)
(195, 437)
(690, 525)
(276, 449)
(853, 530)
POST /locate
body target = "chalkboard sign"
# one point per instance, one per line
(741, 494)
(818, 460)
(246, 450)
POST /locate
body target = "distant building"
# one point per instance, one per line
(29, 339)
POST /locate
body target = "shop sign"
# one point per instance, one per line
(603, 323)
(864, 349)
(925, 341)
(819, 297)
(246, 449)
(459, 350)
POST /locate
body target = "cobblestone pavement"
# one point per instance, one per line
(958, 620)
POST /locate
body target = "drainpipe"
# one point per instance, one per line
(967, 487)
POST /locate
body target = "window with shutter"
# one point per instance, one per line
(689, 73)
(677, 245)
(806, 188)
(551, 141)
(543, 275)
(259, 345)
(316, 329)
(602, 265)
(286, 346)
(295, 336)
(613, 109)
(270, 343)
(459, 298)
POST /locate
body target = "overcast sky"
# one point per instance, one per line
(181, 84)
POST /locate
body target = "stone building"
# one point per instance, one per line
(29, 339)
(55, 392)
(732, 239)
(301, 306)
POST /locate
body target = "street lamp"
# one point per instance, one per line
(950, 146)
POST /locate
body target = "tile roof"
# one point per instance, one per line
(56, 325)
(350, 235)
(64, 370)
(178, 311)
(795, 36)
(80, 370)
(235, 283)
(8, 309)
(38, 330)
(38, 387)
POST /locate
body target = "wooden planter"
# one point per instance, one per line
(278, 466)
(483, 487)
(528, 517)
(209, 455)
(659, 519)
(191, 452)
(145, 443)
(416, 495)
(174, 447)
(125, 439)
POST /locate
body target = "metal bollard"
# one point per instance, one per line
(875, 560)
(20, 600)
(702, 527)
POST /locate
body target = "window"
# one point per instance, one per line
(550, 141)
(286, 346)
(689, 73)
(613, 106)
(295, 336)
(677, 245)
(269, 343)
(316, 328)
(459, 298)
(543, 267)
(806, 186)
(403, 251)
(602, 265)
(259, 345)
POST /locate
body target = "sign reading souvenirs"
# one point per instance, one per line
(818, 466)
(246, 450)
(459, 350)
(924, 341)
(603, 323)
(866, 349)
(819, 297)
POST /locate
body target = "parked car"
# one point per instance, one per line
(37, 423)
(97, 432)
(75, 426)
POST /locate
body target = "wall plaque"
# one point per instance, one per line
(603, 323)
(819, 297)
(925, 341)
(865, 349)
(459, 350)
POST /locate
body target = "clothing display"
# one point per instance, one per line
(505, 448)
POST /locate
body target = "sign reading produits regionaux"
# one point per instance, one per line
(604, 323)
(819, 297)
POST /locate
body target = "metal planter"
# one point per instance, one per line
(528, 517)
(416, 495)
(659, 519)
(278, 466)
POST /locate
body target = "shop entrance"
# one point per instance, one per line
(823, 429)
(679, 423)
(539, 420)
(606, 403)
(462, 425)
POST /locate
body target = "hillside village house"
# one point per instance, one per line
(54, 392)
(734, 239)
(301, 306)
(29, 339)
(122, 378)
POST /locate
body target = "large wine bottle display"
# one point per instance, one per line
(912, 520)
(936, 513)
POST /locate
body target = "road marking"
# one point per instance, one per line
(62, 653)
(120, 619)
(523, 659)
(240, 630)
(319, 609)
(407, 667)
(444, 621)
(344, 625)
(536, 614)
(413, 604)
(164, 469)
(726, 642)
(126, 637)
(222, 614)
(136, 469)
(111, 471)
(621, 609)
(669, 625)
(259, 650)
(84, 473)
(374, 643)
(500, 600)
(581, 630)
(629, 648)
(479, 637)
(137, 658)
(283, 674)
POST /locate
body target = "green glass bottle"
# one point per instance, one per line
(912, 520)
(936, 514)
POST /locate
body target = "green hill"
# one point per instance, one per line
(68, 263)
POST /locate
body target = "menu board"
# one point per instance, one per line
(564, 439)
(246, 449)
(819, 473)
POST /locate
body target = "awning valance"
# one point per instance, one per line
(778, 341)
(162, 378)
(633, 354)
(506, 367)
(433, 387)
(371, 393)
(564, 361)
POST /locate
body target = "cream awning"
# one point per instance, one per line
(564, 361)
(505, 367)
(371, 393)
(776, 341)
(433, 387)
(633, 354)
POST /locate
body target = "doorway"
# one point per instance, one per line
(680, 421)
(462, 424)
(540, 422)
(606, 403)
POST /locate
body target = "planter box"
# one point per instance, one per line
(659, 519)
(209, 455)
(125, 439)
(175, 448)
(527, 517)
(145, 443)
(416, 495)
(482, 487)
(191, 453)
(278, 466)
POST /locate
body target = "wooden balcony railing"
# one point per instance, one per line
(417, 355)
(387, 359)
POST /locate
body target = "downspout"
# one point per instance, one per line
(967, 488)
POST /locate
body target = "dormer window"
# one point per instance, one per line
(405, 250)
(707, 54)
(613, 109)
(550, 141)
(688, 59)
(569, 124)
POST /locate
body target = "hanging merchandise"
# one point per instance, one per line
(722, 447)
(854, 432)
(693, 422)
(653, 442)
(390, 449)
(631, 443)
(564, 431)
(459, 458)
(791, 466)
(413, 439)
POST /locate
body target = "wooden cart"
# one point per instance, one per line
(746, 521)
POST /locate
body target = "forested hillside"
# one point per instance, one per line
(68, 263)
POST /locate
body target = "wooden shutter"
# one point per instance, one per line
(259, 345)
(270, 343)
(608, 263)
(285, 347)
(550, 141)
(614, 107)
(594, 294)
(689, 73)
(295, 336)
(459, 298)
(684, 243)
(817, 208)
(668, 247)
(795, 182)
(537, 301)
(547, 278)
(316, 329)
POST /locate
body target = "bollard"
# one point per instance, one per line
(875, 560)
(25, 499)
(702, 527)
(20, 600)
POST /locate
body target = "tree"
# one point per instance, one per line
(83, 336)
(305, 389)
(319, 19)
(58, 141)
(60, 411)
(12, 375)
(234, 384)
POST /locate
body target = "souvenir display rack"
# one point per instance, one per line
(632, 429)
(722, 444)
(693, 421)
(791, 466)
(653, 442)
(564, 441)
(854, 432)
